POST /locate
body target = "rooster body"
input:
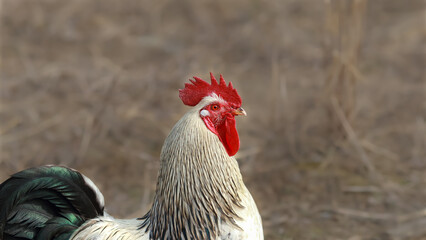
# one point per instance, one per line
(200, 192)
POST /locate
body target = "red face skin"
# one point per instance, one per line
(221, 121)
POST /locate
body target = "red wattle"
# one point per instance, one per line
(228, 135)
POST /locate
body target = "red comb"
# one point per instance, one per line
(195, 91)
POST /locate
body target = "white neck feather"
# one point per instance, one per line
(198, 183)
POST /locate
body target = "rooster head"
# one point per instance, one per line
(219, 104)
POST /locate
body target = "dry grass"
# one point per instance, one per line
(334, 145)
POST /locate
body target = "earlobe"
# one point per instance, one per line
(204, 113)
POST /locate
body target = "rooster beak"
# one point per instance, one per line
(239, 111)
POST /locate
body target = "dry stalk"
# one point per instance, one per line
(281, 115)
(396, 218)
(278, 97)
(343, 32)
(403, 226)
(379, 150)
(362, 189)
(92, 122)
(408, 231)
(419, 142)
(7, 126)
(13, 137)
(364, 215)
(373, 174)
(1, 24)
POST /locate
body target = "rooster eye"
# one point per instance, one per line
(215, 107)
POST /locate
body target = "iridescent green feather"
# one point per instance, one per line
(46, 203)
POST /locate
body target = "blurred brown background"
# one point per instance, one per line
(334, 144)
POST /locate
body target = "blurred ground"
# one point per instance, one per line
(334, 145)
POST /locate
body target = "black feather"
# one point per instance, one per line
(47, 203)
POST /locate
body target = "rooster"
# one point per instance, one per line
(200, 193)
